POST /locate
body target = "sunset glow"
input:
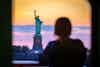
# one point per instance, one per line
(78, 11)
(49, 10)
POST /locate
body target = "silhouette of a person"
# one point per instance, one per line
(64, 52)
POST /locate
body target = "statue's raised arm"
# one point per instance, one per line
(37, 24)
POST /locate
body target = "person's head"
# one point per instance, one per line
(63, 27)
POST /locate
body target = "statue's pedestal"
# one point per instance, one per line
(37, 46)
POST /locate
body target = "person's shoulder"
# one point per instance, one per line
(51, 42)
(50, 45)
(77, 41)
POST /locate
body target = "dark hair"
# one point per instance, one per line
(63, 27)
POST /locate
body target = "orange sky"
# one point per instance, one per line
(78, 11)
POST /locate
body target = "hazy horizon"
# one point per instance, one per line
(23, 35)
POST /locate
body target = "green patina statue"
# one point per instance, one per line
(37, 24)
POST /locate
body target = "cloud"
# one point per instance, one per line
(77, 30)
(26, 38)
(23, 33)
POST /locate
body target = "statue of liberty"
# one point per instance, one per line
(37, 24)
(37, 46)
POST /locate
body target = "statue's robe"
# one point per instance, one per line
(38, 25)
